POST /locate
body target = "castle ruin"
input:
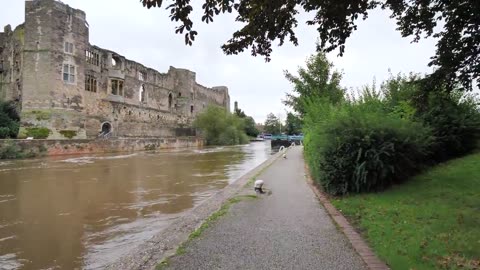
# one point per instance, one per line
(77, 90)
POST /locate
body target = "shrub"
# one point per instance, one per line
(356, 147)
(455, 120)
(9, 150)
(68, 133)
(453, 116)
(9, 120)
(38, 132)
(220, 127)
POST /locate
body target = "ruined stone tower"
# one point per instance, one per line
(77, 90)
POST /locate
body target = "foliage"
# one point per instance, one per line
(272, 124)
(454, 116)
(385, 136)
(250, 127)
(10, 150)
(317, 80)
(267, 21)
(355, 147)
(68, 133)
(9, 120)
(238, 112)
(38, 132)
(293, 124)
(221, 127)
(455, 119)
(431, 222)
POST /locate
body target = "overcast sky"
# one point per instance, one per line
(147, 36)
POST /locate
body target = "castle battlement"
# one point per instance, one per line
(65, 84)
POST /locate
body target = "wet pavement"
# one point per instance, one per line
(288, 229)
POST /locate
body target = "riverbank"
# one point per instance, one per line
(287, 229)
(12, 149)
(430, 222)
(165, 243)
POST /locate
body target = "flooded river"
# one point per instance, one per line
(85, 212)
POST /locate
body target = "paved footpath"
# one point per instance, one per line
(288, 229)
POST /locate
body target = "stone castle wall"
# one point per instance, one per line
(65, 84)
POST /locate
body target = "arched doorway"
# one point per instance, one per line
(106, 128)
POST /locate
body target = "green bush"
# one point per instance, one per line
(455, 120)
(10, 151)
(356, 147)
(9, 120)
(453, 116)
(385, 136)
(68, 133)
(38, 132)
(220, 127)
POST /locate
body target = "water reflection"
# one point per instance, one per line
(84, 212)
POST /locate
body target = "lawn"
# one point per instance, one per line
(430, 222)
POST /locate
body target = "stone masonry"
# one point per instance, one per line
(77, 90)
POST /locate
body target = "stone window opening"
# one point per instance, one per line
(68, 73)
(142, 76)
(106, 128)
(170, 99)
(92, 58)
(90, 83)
(68, 47)
(141, 95)
(117, 87)
(116, 61)
(191, 109)
(179, 94)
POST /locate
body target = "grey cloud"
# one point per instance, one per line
(147, 36)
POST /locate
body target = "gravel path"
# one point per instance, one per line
(288, 229)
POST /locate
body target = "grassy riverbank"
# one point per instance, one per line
(430, 222)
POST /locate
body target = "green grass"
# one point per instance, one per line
(430, 222)
(205, 225)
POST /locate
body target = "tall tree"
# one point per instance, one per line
(250, 127)
(293, 124)
(455, 23)
(272, 124)
(316, 80)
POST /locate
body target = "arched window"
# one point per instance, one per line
(170, 100)
(141, 95)
(106, 128)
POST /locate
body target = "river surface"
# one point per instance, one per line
(85, 212)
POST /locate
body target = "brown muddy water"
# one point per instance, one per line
(85, 212)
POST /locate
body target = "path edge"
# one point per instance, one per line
(163, 245)
(358, 243)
